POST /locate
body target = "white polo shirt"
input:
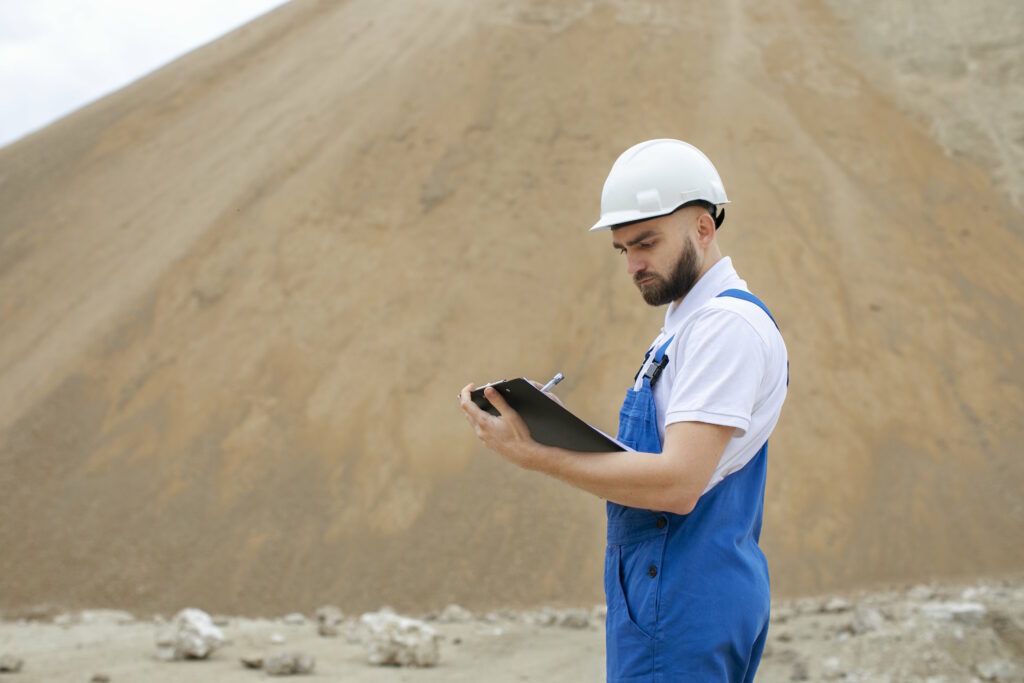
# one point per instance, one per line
(727, 366)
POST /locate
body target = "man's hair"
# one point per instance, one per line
(716, 215)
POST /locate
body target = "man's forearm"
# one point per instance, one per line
(641, 480)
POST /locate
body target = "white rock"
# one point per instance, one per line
(294, 619)
(191, 635)
(970, 613)
(399, 641)
(831, 668)
(999, 670)
(781, 614)
(277, 639)
(289, 664)
(106, 616)
(455, 614)
(865, 620)
(329, 618)
(574, 618)
(835, 605)
(545, 616)
(921, 593)
(10, 664)
(806, 605)
(66, 619)
(599, 613)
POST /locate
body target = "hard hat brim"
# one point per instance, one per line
(615, 219)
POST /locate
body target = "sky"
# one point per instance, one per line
(58, 55)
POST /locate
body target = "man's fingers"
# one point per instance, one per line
(497, 400)
(466, 400)
(471, 410)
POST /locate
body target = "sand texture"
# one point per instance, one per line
(238, 298)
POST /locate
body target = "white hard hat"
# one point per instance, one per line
(655, 178)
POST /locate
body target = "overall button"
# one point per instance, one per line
(662, 522)
(652, 572)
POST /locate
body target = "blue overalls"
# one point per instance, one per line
(687, 594)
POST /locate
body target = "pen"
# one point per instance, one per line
(554, 380)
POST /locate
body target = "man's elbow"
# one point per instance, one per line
(679, 501)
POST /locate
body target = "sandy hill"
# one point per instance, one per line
(238, 298)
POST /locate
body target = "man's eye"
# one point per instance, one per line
(621, 251)
(644, 245)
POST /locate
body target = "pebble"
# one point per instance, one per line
(252, 661)
(543, 617)
(575, 618)
(969, 613)
(865, 620)
(781, 614)
(831, 668)
(835, 605)
(329, 618)
(294, 619)
(99, 678)
(455, 614)
(289, 664)
(10, 664)
(999, 670)
(921, 593)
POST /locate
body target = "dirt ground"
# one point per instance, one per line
(926, 633)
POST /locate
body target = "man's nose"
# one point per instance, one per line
(634, 265)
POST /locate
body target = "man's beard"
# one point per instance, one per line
(679, 283)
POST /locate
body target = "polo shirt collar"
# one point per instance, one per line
(720, 277)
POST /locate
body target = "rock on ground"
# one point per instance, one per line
(393, 640)
(289, 664)
(10, 664)
(191, 635)
(328, 620)
(455, 614)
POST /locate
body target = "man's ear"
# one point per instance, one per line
(705, 229)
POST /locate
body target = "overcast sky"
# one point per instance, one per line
(57, 55)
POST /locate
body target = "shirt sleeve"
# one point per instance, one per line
(722, 360)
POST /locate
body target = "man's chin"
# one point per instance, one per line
(651, 296)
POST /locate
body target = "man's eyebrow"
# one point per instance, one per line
(636, 240)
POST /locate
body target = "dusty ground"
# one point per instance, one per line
(927, 633)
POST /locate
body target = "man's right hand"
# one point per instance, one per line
(548, 393)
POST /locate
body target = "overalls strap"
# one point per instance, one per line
(657, 365)
(747, 296)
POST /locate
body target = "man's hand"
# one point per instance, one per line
(548, 393)
(508, 435)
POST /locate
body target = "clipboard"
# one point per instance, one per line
(549, 423)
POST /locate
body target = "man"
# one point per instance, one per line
(685, 580)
